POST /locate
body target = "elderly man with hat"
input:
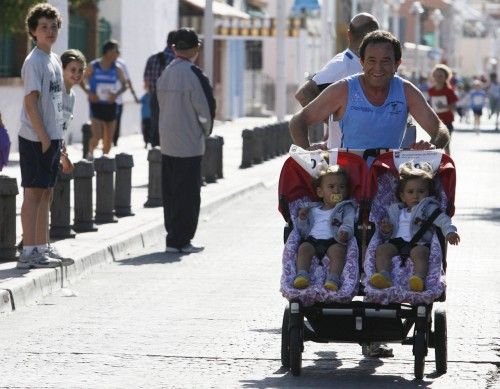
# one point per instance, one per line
(187, 111)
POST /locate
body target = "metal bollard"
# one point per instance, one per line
(60, 209)
(86, 135)
(154, 184)
(316, 132)
(266, 146)
(105, 190)
(8, 192)
(83, 192)
(209, 161)
(258, 146)
(274, 128)
(123, 184)
(247, 148)
(220, 159)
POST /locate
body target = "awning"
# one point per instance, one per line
(219, 9)
(305, 5)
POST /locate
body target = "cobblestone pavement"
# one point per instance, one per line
(213, 320)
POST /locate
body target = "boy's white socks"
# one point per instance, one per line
(27, 250)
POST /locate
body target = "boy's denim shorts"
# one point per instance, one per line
(39, 170)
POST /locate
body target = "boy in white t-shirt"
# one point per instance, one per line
(40, 136)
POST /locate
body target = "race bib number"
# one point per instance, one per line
(439, 104)
(103, 91)
(433, 157)
(477, 100)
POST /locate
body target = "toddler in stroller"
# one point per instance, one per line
(326, 227)
(402, 209)
(308, 274)
(406, 229)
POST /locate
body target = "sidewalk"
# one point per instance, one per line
(91, 249)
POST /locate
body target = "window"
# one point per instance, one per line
(7, 55)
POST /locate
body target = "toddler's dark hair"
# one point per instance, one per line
(410, 171)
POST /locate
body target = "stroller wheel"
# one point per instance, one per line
(440, 341)
(285, 339)
(419, 351)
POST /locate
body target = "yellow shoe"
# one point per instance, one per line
(331, 285)
(416, 284)
(300, 282)
(380, 282)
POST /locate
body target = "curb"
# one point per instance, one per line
(34, 284)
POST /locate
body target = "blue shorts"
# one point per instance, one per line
(39, 170)
(477, 111)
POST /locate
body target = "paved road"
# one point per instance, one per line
(212, 320)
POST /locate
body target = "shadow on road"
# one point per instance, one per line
(488, 151)
(158, 257)
(484, 214)
(327, 372)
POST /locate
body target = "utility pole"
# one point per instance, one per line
(208, 40)
(280, 89)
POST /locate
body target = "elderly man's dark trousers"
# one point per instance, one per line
(181, 187)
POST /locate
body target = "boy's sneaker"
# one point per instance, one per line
(24, 261)
(53, 253)
(37, 260)
(381, 280)
(416, 283)
(170, 249)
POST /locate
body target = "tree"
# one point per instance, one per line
(13, 13)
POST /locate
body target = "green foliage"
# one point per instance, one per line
(13, 13)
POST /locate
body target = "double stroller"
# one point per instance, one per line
(359, 312)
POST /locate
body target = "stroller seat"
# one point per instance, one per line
(383, 181)
(295, 191)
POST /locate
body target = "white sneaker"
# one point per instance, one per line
(53, 253)
(190, 249)
(37, 260)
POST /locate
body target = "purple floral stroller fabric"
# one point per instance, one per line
(399, 292)
(316, 292)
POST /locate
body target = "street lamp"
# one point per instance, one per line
(416, 9)
(436, 17)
